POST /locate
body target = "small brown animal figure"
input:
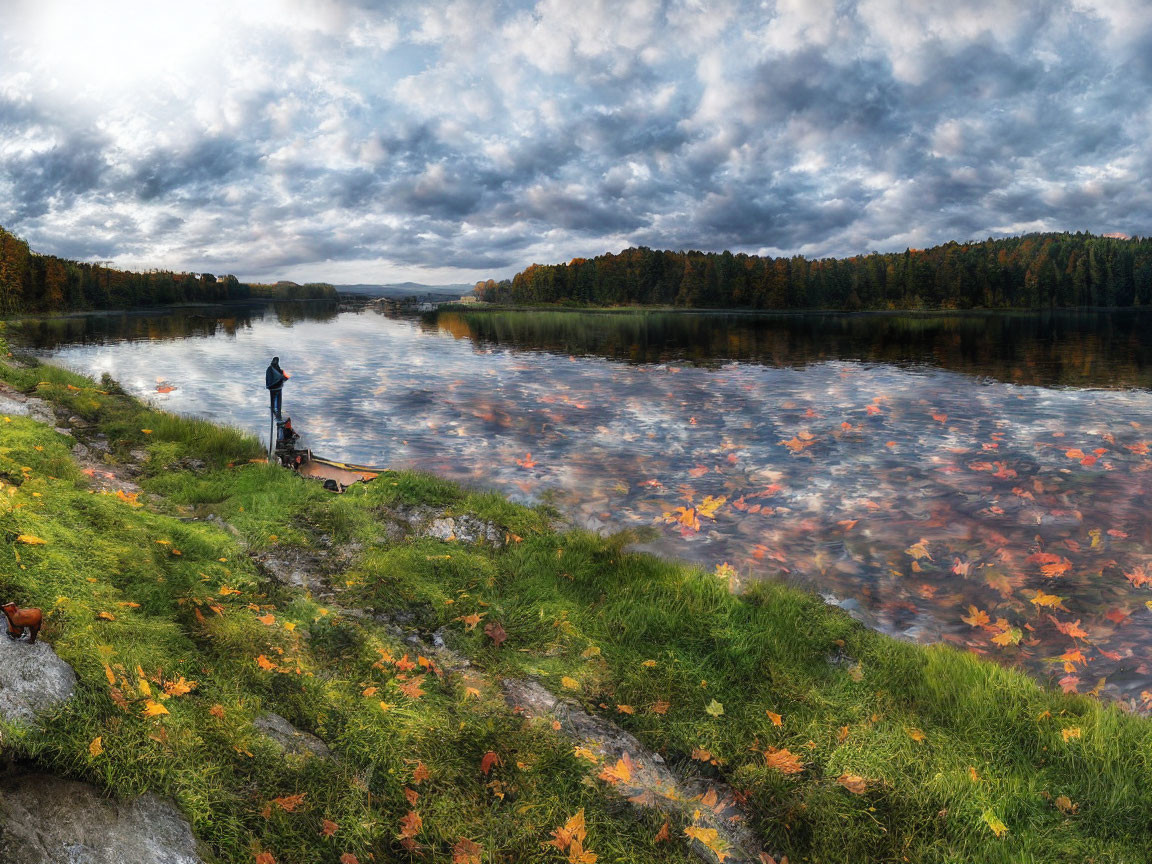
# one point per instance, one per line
(19, 619)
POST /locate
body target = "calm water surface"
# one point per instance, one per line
(976, 479)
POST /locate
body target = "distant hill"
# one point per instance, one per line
(406, 289)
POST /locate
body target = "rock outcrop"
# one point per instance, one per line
(49, 820)
(289, 738)
(32, 678)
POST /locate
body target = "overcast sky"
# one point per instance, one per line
(356, 141)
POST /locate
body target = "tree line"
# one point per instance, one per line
(1029, 271)
(35, 283)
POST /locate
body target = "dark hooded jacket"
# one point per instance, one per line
(274, 377)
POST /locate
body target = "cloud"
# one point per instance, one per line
(296, 138)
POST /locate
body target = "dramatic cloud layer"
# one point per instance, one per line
(372, 141)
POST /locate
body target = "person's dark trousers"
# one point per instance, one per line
(277, 399)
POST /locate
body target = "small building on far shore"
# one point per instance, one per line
(469, 299)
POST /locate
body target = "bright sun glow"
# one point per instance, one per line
(136, 44)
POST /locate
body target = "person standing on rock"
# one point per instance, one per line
(274, 379)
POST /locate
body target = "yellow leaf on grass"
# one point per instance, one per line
(570, 683)
(31, 540)
(154, 709)
(267, 620)
(1070, 733)
(107, 616)
(998, 827)
(776, 719)
(915, 734)
(714, 708)
(96, 747)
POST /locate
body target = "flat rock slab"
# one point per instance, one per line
(49, 820)
(13, 402)
(288, 737)
(640, 775)
(32, 678)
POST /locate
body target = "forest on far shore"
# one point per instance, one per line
(1029, 271)
(31, 282)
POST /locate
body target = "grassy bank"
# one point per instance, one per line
(843, 745)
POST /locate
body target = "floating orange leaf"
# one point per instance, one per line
(976, 617)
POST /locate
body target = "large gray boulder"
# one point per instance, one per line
(32, 678)
(49, 820)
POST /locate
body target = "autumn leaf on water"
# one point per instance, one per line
(1070, 684)
(1051, 565)
(466, 852)
(854, 783)
(976, 617)
(494, 631)
(1051, 600)
(527, 461)
(918, 550)
(698, 471)
(683, 516)
(1069, 628)
(998, 827)
(710, 505)
(710, 838)
(783, 760)
(1008, 634)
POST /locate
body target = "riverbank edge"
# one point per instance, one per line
(842, 744)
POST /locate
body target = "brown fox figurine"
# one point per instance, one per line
(19, 619)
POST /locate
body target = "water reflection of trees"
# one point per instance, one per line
(173, 323)
(1075, 348)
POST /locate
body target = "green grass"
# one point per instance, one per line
(578, 610)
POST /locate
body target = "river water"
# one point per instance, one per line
(976, 479)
